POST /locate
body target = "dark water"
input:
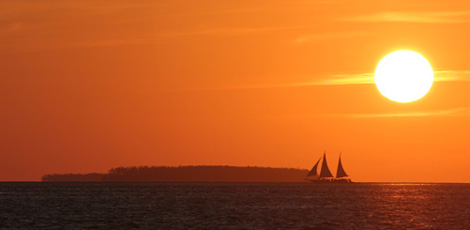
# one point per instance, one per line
(233, 206)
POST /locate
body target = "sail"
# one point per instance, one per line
(325, 171)
(340, 172)
(313, 172)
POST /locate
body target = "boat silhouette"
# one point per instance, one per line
(325, 175)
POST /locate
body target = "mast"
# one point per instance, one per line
(325, 171)
(313, 172)
(340, 172)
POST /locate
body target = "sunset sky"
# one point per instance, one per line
(89, 85)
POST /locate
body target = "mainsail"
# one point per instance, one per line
(313, 172)
(325, 171)
(340, 172)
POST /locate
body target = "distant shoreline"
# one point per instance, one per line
(185, 174)
(222, 182)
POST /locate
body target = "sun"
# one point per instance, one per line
(404, 76)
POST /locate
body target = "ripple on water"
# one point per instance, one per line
(233, 206)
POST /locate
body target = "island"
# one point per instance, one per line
(201, 173)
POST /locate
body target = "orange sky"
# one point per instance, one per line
(90, 85)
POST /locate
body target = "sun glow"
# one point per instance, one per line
(404, 76)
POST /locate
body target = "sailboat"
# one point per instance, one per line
(325, 175)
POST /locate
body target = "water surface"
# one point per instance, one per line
(233, 206)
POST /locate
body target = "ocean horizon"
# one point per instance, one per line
(117, 205)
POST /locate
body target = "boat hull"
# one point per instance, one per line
(330, 181)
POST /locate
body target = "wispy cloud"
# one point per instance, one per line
(167, 36)
(164, 36)
(350, 79)
(340, 79)
(368, 78)
(326, 36)
(273, 6)
(452, 75)
(417, 17)
(221, 32)
(346, 79)
(449, 112)
(232, 31)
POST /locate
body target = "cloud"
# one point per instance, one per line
(232, 31)
(448, 112)
(417, 17)
(221, 32)
(165, 36)
(160, 37)
(368, 78)
(452, 75)
(349, 79)
(326, 36)
(271, 7)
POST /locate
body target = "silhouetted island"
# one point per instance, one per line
(70, 177)
(186, 174)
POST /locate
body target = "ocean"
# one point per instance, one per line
(234, 206)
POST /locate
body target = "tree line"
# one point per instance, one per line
(186, 174)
